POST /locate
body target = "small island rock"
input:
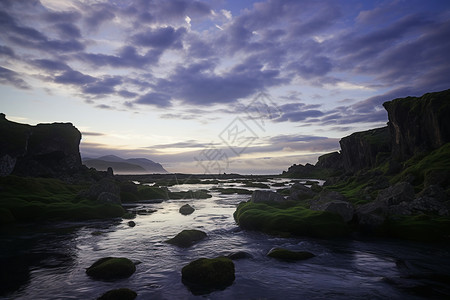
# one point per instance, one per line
(186, 209)
(288, 255)
(109, 268)
(119, 294)
(187, 237)
(205, 275)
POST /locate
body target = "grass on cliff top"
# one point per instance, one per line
(295, 220)
(427, 169)
(36, 199)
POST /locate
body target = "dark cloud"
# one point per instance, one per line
(8, 76)
(7, 51)
(127, 94)
(61, 16)
(98, 14)
(74, 77)
(68, 30)
(84, 133)
(50, 65)
(163, 37)
(126, 57)
(185, 144)
(161, 11)
(155, 99)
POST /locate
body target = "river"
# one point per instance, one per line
(48, 261)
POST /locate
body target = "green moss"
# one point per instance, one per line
(423, 228)
(150, 193)
(295, 220)
(110, 268)
(423, 165)
(119, 294)
(38, 199)
(187, 237)
(288, 255)
(205, 275)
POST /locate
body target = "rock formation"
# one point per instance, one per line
(419, 124)
(45, 150)
(360, 149)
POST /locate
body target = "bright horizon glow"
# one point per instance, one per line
(174, 84)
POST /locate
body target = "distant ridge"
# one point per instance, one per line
(128, 166)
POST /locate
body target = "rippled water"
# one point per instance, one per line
(50, 260)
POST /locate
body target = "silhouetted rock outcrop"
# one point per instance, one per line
(47, 150)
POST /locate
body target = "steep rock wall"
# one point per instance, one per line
(49, 150)
(418, 124)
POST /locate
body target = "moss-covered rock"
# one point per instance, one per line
(119, 294)
(187, 238)
(295, 220)
(110, 268)
(288, 255)
(205, 275)
(186, 210)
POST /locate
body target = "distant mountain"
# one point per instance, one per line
(120, 165)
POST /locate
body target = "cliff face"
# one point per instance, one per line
(41, 150)
(360, 149)
(419, 124)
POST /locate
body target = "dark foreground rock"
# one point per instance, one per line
(204, 275)
(266, 196)
(333, 202)
(119, 294)
(288, 255)
(187, 238)
(186, 210)
(110, 268)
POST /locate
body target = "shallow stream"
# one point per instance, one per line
(49, 261)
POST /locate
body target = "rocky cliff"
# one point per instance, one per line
(360, 149)
(418, 124)
(46, 150)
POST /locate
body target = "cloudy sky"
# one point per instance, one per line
(218, 86)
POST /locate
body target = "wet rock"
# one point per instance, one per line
(204, 275)
(288, 255)
(110, 268)
(266, 196)
(131, 223)
(187, 238)
(186, 209)
(239, 255)
(300, 192)
(333, 202)
(119, 294)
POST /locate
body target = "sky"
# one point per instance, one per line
(218, 86)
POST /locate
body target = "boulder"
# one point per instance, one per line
(186, 209)
(205, 275)
(400, 192)
(288, 255)
(119, 294)
(395, 200)
(187, 238)
(266, 196)
(110, 268)
(239, 255)
(104, 191)
(333, 202)
(131, 223)
(300, 192)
